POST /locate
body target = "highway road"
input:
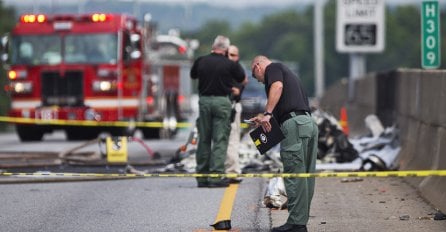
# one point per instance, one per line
(173, 204)
(176, 204)
(146, 204)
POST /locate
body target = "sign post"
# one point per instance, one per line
(430, 35)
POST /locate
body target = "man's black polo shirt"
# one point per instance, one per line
(216, 73)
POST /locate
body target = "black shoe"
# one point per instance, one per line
(234, 180)
(290, 228)
(219, 184)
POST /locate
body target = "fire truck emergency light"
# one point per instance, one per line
(99, 17)
(13, 74)
(33, 18)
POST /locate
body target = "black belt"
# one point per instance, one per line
(213, 95)
(292, 114)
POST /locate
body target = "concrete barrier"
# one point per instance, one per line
(413, 99)
(434, 188)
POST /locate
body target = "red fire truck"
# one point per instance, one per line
(93, 67)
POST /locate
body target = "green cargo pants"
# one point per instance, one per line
(298, 152)
(213, 126)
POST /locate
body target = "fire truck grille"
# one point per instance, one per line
(62, 90)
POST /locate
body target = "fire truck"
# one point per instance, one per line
(95, 67)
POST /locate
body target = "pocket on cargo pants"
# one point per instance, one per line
(298, 131)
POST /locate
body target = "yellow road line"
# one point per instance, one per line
(226, 203)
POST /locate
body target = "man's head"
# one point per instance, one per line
(258, 66)
(233, 53)
(221, 44)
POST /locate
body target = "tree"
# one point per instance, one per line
(207, 34)
(284, 36)
(288, 36)
(6, 24)
(403, 46)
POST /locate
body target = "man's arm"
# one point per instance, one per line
(239, 73)
(273, 96)
(193, 70)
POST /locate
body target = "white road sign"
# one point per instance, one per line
(360, 26)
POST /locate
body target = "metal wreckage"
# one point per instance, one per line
(376, 151)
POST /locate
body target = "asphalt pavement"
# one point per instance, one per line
(367, 204)
(352, 204)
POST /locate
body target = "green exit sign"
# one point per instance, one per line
(430, 35)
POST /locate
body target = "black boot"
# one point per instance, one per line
(290, 228)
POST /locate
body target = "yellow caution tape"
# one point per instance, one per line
(413, 173)
(86, 122)
(92, 123)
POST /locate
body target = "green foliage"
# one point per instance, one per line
(208, 33)
(288, 36)
(6, 24)
(403, 44)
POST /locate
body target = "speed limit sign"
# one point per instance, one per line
(360, 26)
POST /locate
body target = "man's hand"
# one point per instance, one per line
(262, 120)
(235, 91)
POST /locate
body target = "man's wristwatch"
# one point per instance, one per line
(267, 113)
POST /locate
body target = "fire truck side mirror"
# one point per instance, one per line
(134, 38)
(134, 55)
(4, 48)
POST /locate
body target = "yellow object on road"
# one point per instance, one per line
(116, 149)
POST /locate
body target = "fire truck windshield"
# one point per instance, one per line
(71, 49)
(35, 50)
(91, 48)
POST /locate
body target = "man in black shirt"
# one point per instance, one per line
(215, 74)
(288, 103)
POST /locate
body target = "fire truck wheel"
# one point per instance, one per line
(121, 131)
(167, 134)
(28, 133)
(151, 133)
(80, 133)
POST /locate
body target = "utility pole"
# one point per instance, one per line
(319, 48)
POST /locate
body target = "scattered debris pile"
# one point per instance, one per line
(250, 160)
(380, 149)
(333, 143)
(375, 151)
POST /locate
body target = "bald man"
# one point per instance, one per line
(288, 103)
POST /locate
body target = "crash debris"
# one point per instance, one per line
(375, 151)
(276, 196)
(336, 151)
